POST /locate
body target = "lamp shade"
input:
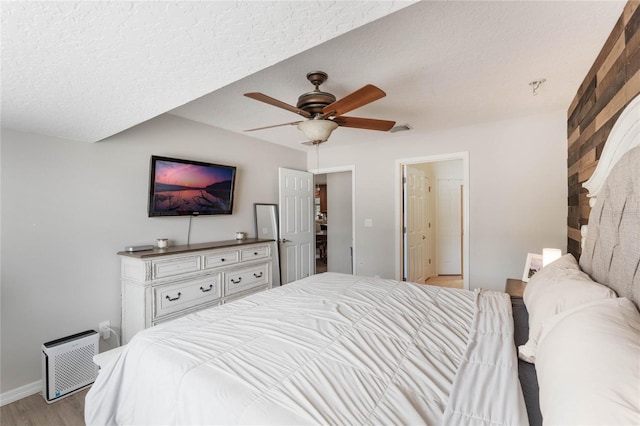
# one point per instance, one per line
(549, 255)
(317, 130)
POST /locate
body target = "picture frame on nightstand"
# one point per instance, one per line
(531, 266)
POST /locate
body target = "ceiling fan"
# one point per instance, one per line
(324, 113)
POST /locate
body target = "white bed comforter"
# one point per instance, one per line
(328, 349)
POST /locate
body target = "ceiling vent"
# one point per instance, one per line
(400, 128)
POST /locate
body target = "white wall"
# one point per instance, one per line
(68, 207)
(518, 192)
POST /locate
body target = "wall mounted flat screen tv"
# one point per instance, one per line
(184, 187)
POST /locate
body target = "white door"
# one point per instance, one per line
(429, 224)
(297, 227)
(449, 218)
(415, 219)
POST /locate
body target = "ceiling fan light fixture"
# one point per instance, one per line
(317, 130)
(324, 112)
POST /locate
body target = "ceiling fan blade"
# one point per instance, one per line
(365, 123)
(275, 125)
(271, 101)
(360, 97)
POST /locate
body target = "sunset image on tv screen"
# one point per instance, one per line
(191, 188)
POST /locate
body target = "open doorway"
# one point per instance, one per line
(334, 216)
(320, 217)
(433, 217)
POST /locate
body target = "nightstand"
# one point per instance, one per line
(515, 288)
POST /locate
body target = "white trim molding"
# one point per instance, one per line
(338, 169)
(21, 392)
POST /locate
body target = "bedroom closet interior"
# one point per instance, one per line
(320, 217)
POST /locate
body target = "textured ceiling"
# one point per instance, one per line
(88, 70)
(442, 64)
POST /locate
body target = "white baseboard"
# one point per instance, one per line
(21, 392)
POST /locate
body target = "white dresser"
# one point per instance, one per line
(162, 284)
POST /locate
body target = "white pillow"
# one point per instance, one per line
(556, 287)
(588, 365)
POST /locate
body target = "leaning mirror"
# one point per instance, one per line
(266, 216)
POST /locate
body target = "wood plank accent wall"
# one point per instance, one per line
(612, 82)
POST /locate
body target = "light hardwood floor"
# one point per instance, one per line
(449, 281)
(34, 411)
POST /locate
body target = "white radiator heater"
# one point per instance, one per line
(67, 364)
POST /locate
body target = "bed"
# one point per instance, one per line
(343, 349)
(328, 349)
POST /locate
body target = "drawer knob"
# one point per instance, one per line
(175, 298)
(257, 275)
(255, 253)
(236, 282)
(222, 260)
(204, 290)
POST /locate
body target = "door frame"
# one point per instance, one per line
(399, 163)
(352, 169)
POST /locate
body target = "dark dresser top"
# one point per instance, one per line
(191, 247)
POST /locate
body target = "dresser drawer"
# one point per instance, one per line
(257, 252)
(180, 296)
(246, 278)
(172, 267)
(218, 259)
(159, 286)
